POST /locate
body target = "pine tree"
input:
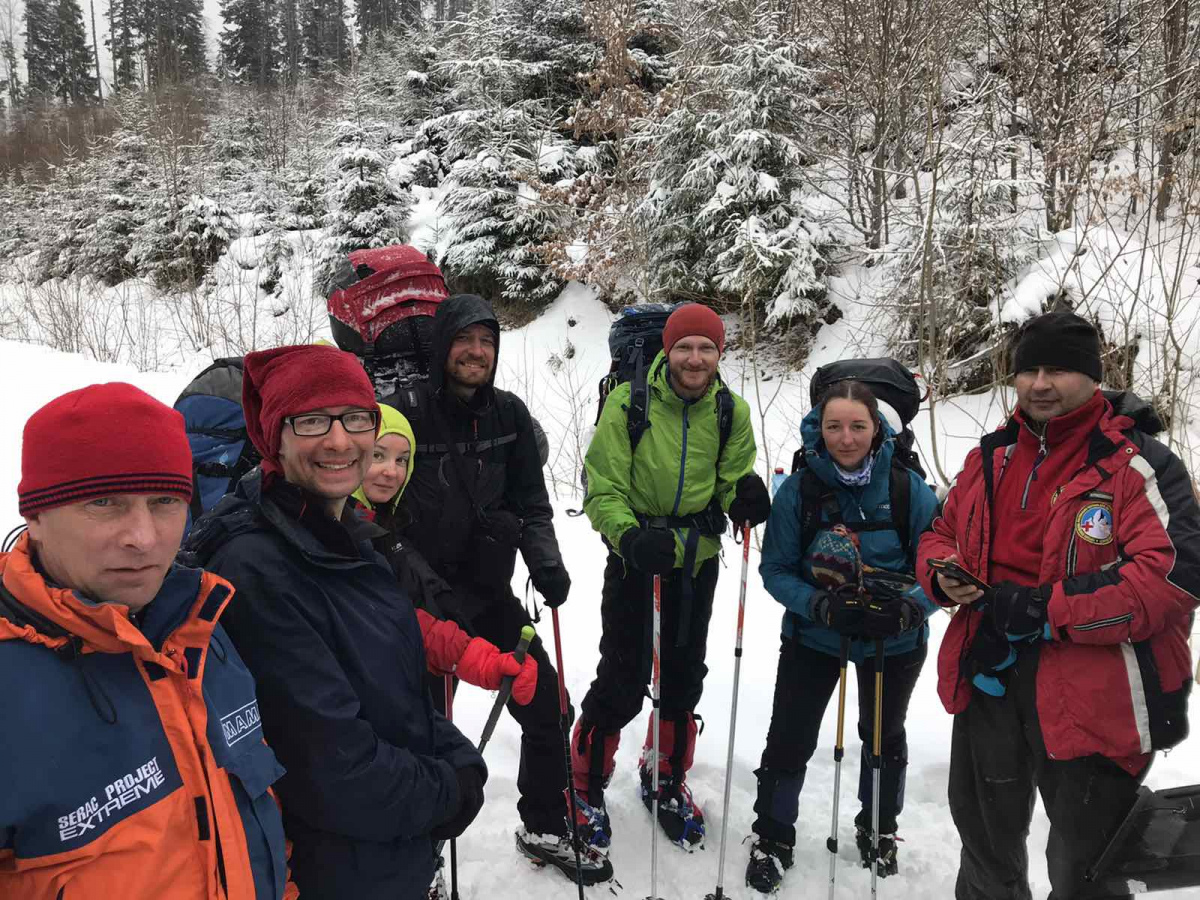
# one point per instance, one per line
(11, 82)
(498, 228)
(324, 36)
(367, 209)
(57, 57)
(174, 36)
(250, 51)
(376, 17)
(291, 40)
(125, 42)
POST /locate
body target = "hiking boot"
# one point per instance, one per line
(768, 861)
(887, 851)
(558, 851)
(682, 820)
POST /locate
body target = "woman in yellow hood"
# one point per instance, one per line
(393, 459)
(448, 649)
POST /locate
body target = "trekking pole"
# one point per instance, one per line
(839, 750)
(737, 672)
(453, 841)
(506, 685)
(565, 724)
(876, 764)
(654, 710)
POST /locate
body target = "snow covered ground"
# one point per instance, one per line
(555, 362)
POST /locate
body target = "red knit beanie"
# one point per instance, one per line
(693, 318)
(101, 440)
(287, 381)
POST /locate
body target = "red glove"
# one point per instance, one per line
(485, 666)
(444, 641)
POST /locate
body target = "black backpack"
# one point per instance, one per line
(893, 383)
(634, 339)
(216, 430)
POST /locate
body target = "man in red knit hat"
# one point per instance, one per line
(660, 502)
(375, 774)
(120, 677)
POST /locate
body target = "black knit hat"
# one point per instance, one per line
(1062, 340)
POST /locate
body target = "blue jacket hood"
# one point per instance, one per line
(817, 458)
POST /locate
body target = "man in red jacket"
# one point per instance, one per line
(1074, 667)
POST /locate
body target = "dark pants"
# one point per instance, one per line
(997, 759)
(626, 648)
(542, 777)
(804, 683)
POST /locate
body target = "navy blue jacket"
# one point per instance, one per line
(788, 576)
(337, 651)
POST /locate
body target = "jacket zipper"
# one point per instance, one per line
(1072, 554)
(1041, 457)
(682, 464)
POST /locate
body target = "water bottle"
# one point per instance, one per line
(776, 480)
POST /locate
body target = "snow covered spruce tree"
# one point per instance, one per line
(324, 37)
(726, 209)
(57, 57)
(250, 42)
(176, 248)
(366, 207)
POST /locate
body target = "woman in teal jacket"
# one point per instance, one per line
(852, 584)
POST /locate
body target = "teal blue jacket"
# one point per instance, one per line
(788, 576)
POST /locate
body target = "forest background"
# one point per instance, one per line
(934, 172)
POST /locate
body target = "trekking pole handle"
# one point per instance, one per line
(506, 684)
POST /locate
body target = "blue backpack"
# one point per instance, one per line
(216, 428)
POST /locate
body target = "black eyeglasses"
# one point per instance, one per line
(356, 421)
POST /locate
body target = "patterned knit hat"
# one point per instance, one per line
(101, 440)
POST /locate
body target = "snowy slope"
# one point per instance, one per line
(555, 364)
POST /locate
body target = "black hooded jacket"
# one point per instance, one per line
(470, 511)
(337, 653)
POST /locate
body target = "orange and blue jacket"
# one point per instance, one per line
(134, 760)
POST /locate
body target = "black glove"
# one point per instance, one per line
(841, 609)
(751, 502)
(989, 650)
(1017, 610)
(651, 550)
(553, 583)
(470, 801)
(885, 618)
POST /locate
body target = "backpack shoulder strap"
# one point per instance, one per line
(815, 496)
(638, 415)
(724, 419)
(900, 495)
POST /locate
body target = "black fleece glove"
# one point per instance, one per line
(842, 609)
(470, 801)
(1019, 611)
(650, 550)
(883, 619)
(751, 502)
(553, 583)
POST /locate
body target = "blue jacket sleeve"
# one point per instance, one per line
(342, 776)
(922, 510)
(780, 566)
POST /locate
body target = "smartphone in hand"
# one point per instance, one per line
(951, 569)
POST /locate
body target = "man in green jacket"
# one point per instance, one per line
(661, 506)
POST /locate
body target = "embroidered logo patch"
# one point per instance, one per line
(241, 723)
(1095, 523)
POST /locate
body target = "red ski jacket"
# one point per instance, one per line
(1121, 550)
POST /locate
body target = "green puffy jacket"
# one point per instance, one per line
(675, 471)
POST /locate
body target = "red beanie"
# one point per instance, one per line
(693, 318)
(287, 381)
(101, 440)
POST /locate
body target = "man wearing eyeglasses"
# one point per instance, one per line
(375, 774)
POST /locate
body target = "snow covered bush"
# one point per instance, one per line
(176, 249)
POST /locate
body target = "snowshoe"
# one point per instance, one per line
(595, 829)
(438, 890)
(681, 819)
(768, 861)
(558, 851)
(887, 851)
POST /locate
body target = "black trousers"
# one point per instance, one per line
(542, 777)
(805, 681)
(626, 649)
(997, 760)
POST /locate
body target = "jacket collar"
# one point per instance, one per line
(40, 613)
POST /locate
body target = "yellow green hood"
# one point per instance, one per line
(392, 421)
